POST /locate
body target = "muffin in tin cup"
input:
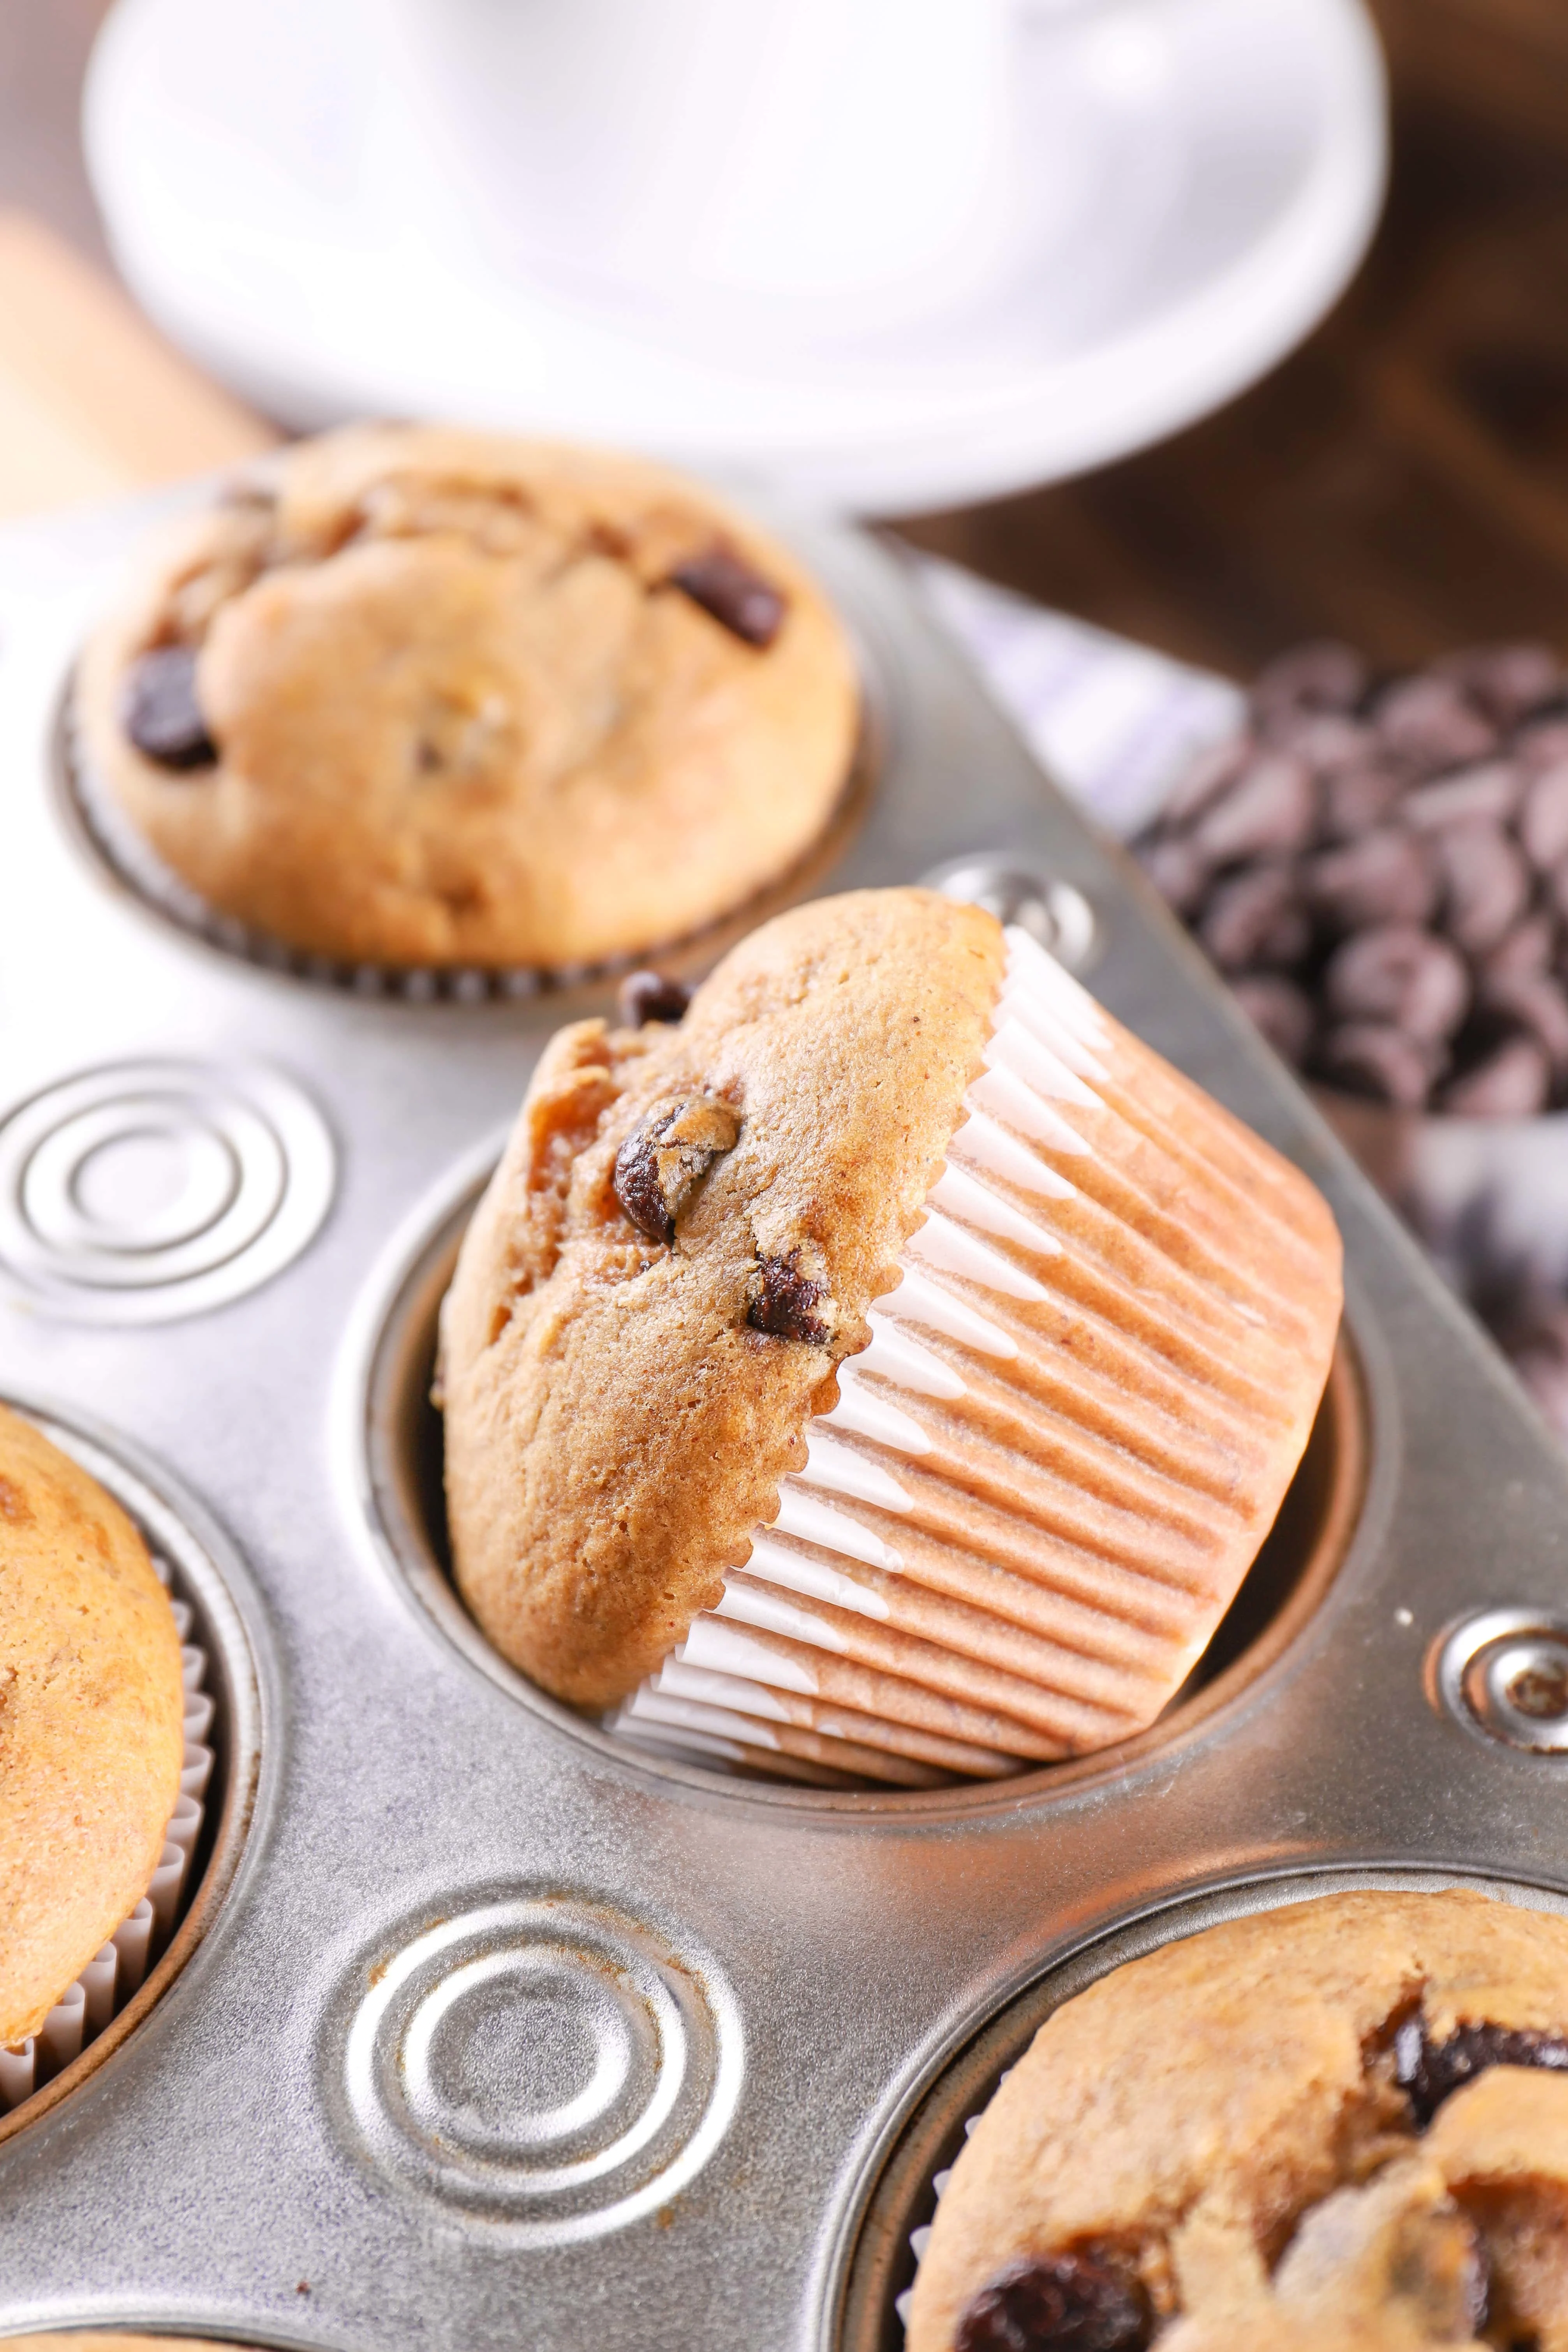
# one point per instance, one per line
(412, 700)
(105, 1764)
(1341, 2123)
(886, 1366)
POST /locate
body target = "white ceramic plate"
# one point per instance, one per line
(1204, 176)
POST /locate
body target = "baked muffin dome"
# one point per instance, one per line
(91, 1714)
(899, 1309)
(1340, 2124)
(425, 696)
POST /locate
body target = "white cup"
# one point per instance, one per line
(841, 158)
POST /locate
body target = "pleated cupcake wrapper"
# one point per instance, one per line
(920, 2237)
(119, 1967)
(1001, 1552)
(136, 861)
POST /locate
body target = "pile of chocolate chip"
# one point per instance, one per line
(1379, 867)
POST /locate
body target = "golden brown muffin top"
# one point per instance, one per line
(621, 1407)
(1315, 2124)
(90, 1712)
(455, 698)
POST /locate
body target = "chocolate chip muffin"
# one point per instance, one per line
(430, 697)
(90, 1738)
(1341, 2123)
(887, 1366)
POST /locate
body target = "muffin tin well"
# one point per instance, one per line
(393, 1436)
(212, 1815)
(891, 2235)
(673, 2025)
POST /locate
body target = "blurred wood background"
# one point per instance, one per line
(1402, 480)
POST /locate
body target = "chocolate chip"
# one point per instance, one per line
(1374, 1059)
(1513, 1081)
(738, 598)
(1324, 675)
(1527, 950)
(1178, 871)
(160, 712)
(1327, 741)
(781, 1299)
(1490, 790)
(1432, 723)
(644, 997)
(1386, 877)
(1056, 2302)
(1279, 1008)
(1486, 883)
(1535, 1002)
(1204, 777)
(1268, 811)
(1256, 917)
(1507, 681)
(1396, 972)
(1429, 2073)
(1542, 743)
(665, 1157)
(1356, 800)
(1544, 820)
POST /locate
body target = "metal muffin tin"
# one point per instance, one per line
(503, 2032)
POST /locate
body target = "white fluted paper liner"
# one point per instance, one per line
(1018, 1529)
(920, 2239)
(118, 1969)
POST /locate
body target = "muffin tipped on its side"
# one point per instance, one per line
(890, 1368)
(90, 1707)
(621, 1406)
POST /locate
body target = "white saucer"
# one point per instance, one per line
(1205, 174)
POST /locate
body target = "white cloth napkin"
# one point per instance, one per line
(1112, 721)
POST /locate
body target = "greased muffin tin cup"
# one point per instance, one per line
(490, 2013)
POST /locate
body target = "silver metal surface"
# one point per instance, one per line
(149, 1189)
(342, 2124)
(1504, 1673)
(1015, 891)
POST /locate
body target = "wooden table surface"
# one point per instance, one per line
(1403, 479)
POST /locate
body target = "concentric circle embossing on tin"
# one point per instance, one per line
(542, 2063)
(1504, 1673)
(145, 1190)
